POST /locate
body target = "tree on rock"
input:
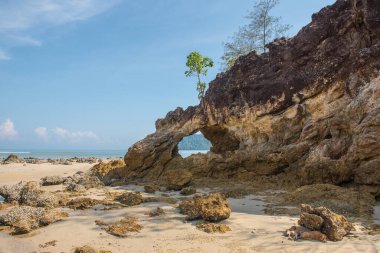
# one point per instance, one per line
(262, 29)
(198, 65)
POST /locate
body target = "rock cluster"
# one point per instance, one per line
(84, 180)
(320, 224)
(306, 112)
(31, 194)
(24, 219)
(12, 158)
(213, 207)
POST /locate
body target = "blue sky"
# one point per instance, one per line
(97, 74)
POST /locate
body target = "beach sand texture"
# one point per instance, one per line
(252, 230)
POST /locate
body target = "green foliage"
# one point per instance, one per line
(261, 29)
(198, 65)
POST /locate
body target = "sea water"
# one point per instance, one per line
(113, 154)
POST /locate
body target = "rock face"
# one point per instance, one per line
(103, 170)
(306, 112)
(178, 179)
(321, 219)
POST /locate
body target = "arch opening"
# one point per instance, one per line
(193, 144)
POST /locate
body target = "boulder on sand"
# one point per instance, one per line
(334, 226)
(12, 158)
(130, 198)
(83, 203)
(11, 192)
(122, 227)
(30, 194)
(24, 219)
(213, 207)
(52, 180)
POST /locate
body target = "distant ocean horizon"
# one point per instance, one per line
(103, 154)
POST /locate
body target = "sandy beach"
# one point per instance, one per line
(252, 229)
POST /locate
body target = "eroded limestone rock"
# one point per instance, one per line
(334, 226)
(213, 207)
(350, 202)
(178, 179)
(83, 203)
(52, 180)
(307, 112)
(31, 194)
(103, 171)
(213, 228)
(24, 219)
(121, 228)
(130, 198)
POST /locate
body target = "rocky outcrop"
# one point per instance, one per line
(103, 170)
(306, 112)
(321, 219)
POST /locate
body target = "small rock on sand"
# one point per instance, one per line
(213, 228)
(130, 198)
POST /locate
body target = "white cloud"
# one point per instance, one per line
(42, 132)
(64, 135)
(8, 130)
(74, 137)
(20, 18)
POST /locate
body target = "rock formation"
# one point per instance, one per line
(213, 207)
(24, 219)
(306, 112)
(321, 219)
